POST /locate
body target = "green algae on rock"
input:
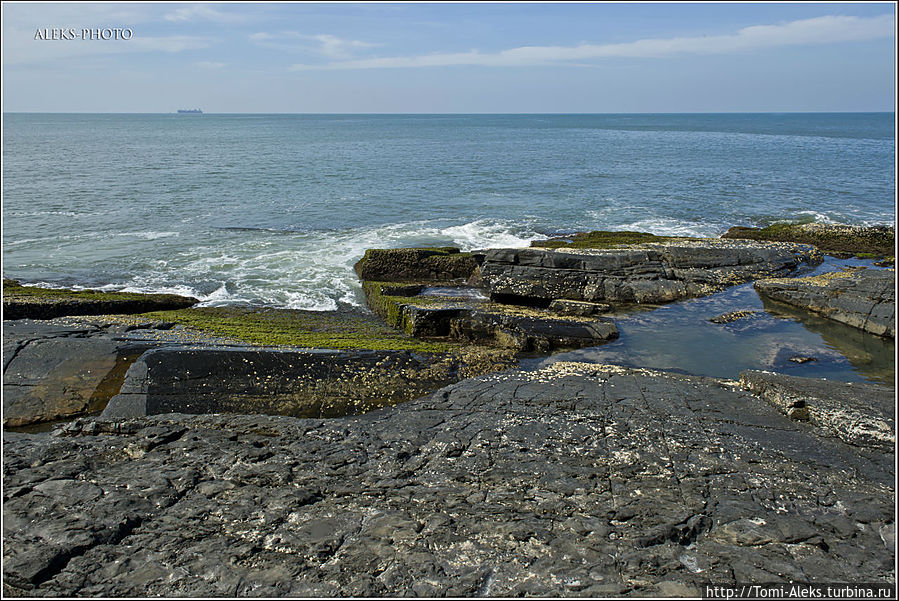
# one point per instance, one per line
(444, 263)
(297, 328)
(32, 302)
(876, 241)
(601, 239)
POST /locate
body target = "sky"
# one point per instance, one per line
(449, 57)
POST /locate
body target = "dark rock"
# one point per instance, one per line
(530, 331)
(25, 302)
(578, 307)
(285, 381)
(53, 371)
(800, 359)
(831, 238)
(471, 319)
(859, 414)
(645, 273)
(578, 480)
(863, 298)
(415, 264)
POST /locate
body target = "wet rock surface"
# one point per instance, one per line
(26, 302)
(295, 382)
(579, 480)
(643, 273)
(57, 369)
(862, 298)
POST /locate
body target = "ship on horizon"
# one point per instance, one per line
(191, 111)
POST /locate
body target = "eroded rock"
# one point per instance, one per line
(578, 479)
(859, 414)
(642, 273)
(862, 298)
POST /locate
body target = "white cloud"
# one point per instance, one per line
(327, 45)
(820, 30)
(209, 65)
(200, 12)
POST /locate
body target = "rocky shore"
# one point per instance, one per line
(579, 479)
(447, 474)
(865, 299)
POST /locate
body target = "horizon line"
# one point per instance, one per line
(784, 112)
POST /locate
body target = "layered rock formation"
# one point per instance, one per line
(831, 238)
(396, 282)
(295, 382)
(27, 302)
(579, 479)
(643, 273)
(865, 298)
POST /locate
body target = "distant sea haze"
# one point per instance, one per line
(275, 209)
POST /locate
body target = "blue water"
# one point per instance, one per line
(275, 209)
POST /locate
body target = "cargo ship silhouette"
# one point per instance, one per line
(197, 111)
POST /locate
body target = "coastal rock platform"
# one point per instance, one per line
(654, 272)
(862, 298)
(576, 480)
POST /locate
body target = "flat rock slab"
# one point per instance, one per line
(53, 369)
(860, 414)
(579, 480)
(642, 273)
(297, 382)
(49, 307)
(862, 298)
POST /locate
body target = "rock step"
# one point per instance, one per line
(862, 298)
(644, 273)
(300, 383)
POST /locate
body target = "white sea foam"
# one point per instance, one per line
(149, 235)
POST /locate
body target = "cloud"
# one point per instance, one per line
(327, 45)
(200, 12)
(819, 30)
(209, 65)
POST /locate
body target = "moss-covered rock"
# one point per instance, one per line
(486, 323)
(296, 328)
(600, 239)
(441, 264)
(31, 302)
(875, 241)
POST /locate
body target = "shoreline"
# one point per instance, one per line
(428, 464)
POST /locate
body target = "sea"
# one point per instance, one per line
(274, 210)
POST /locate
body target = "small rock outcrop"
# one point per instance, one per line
(643, 273)
(28, 302)
(414, 264)
(862, 298)
(863, 415)
(831, 238)
(296, 382)
(577, 480)
(479, 321)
